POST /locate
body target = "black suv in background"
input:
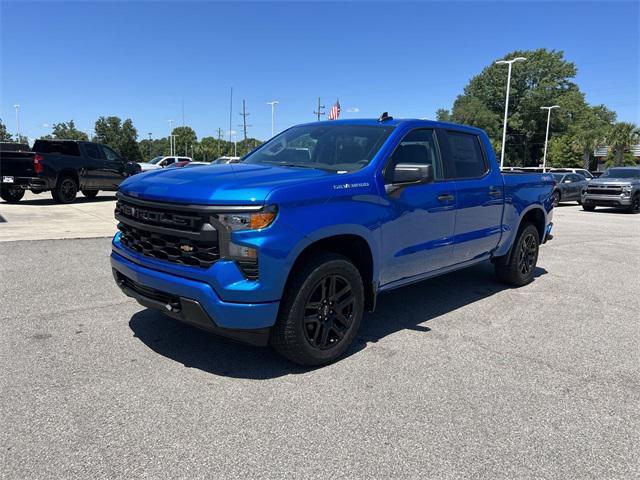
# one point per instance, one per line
(62, 166)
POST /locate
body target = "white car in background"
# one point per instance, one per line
(162, 162)
(223, 160)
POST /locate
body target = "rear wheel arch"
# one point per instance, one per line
(351, 246)
(534, 216)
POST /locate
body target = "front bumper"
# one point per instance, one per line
(194, 302)
(606, 200)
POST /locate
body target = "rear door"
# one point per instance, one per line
(113, 168)
(479, 195)
(93, 170)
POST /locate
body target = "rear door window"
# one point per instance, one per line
(465, 155)
(92, 151)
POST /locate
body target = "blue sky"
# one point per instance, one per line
(68, 60)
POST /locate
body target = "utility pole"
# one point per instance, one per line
(244, 125)
(319, 111)
(546, 138)
(219, 140)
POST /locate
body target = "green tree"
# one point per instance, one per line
(443, 115)
(562, 152)
(185, 138)
(67, 131)
(545, 78)
(621, 137)
(154, 148)
(589, 130)
(4, 135)
(119, 135)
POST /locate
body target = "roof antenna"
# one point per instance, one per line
(385, 117)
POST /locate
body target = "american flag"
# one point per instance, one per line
(335, 111)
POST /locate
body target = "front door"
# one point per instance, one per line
(113, 168)
(418, 234)
(479, 192)
(94, 164)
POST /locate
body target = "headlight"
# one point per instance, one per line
(235, 222)
(626, 190)
(248, 221)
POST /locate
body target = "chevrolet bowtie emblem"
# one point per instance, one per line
(186, 248)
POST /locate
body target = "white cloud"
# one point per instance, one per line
(353, 110)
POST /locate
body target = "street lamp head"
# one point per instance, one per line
(513, 60)
(550, 108)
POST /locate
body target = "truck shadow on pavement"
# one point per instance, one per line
(405, 308)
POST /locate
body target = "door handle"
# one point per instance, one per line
(494, 192)
(445, 197)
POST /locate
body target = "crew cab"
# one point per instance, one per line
(291, 246)
(618, 187)
(64, 167)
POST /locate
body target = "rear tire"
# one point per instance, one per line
(11, 195)
(321, 311)
(588, 208)
(520, 268)
(65, 190)
(90, 193)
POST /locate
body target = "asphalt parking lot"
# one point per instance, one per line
(455, 377)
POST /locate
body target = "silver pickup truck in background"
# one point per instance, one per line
(618, 187)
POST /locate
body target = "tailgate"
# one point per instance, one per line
(17, 164)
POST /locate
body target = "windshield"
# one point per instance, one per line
(336, 148)
(155, 160)
(558, 176)
(622, 173)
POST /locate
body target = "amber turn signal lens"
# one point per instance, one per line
(261, 220)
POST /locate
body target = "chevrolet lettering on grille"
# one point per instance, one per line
(169, 219)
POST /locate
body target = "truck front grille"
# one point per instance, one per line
(168, 247)
(173, 233)
(604, 190)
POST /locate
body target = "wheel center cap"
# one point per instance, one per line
(325, 310)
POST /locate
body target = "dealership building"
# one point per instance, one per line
(601, 152)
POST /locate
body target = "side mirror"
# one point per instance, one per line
(412, 173)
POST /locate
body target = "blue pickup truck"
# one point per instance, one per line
(292, 245)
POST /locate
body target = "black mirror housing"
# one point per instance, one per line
(412, 173)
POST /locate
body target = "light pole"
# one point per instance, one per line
(506, 105)
(170, 136)
(149, 145)
(17, 107)
(273, 115)
(546, 138)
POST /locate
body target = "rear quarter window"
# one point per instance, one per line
(62, 148)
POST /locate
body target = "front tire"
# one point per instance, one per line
(11, 195)
(556, 199)
(588, 208)
(90, 193)
(519, 269)
(321, 311)
(65, 190)
(635, 204)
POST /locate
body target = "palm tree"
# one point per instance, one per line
(590, 130)
(622, 136)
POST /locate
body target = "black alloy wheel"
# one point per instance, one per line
(328, 312)
(635, 204)
(527, 254)
(66, 190)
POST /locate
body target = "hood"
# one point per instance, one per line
(612, 181)
(230, 184)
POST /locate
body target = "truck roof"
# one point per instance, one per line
(396, 122)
